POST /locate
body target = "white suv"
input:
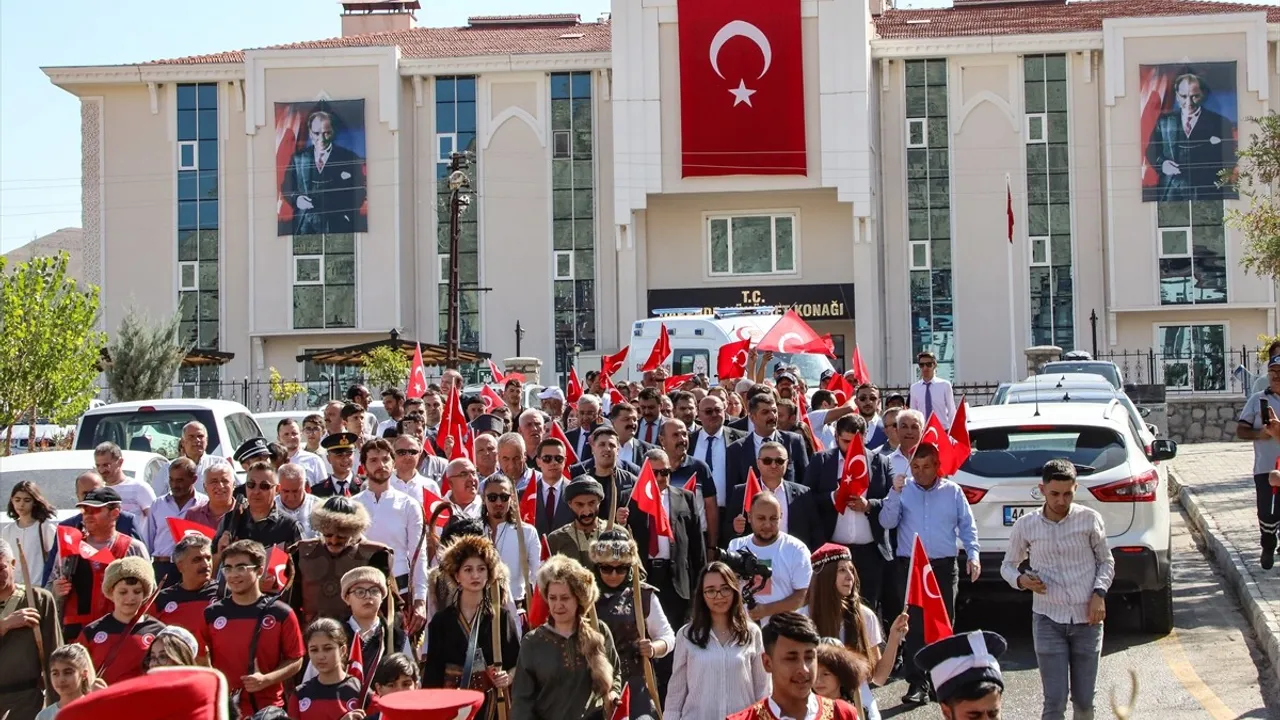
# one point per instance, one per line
(1117, 477)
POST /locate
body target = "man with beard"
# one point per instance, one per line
(320, 564)
(551, 400)
(464, 489)
(292, 498)
(798, 516)
(183, 604)
(516, 542)
(649, 404)
(785, 555)
(393, 403)
(584, 496)
(867, 398)
(20, 626)
(396, 523)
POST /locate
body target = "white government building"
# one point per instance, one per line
(202, 192)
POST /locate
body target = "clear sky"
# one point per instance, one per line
(40, 124)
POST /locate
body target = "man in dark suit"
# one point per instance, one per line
(588, 410)
(325, 183)
(1189, 146)
(709, 443)
(553, 510)
(743, 424)
(671, 565)
(857, 525)
(615, 481)
(675, 443)
(741, 457)
(800, 517)
(649, 403)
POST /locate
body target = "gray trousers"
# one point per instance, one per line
(1068, 657)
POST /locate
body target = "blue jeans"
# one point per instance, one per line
(1068, 658)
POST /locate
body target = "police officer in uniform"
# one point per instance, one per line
(320, 564)
(344, 481)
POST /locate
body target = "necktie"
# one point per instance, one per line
(551, 505)
(342, 488)
(711, 448)
(928, 400)
(1187, 126)
(653, 538)
(648, 433)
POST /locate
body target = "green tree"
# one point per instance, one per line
(1258, 172)
(282, 392)
(145, 357)
(49, 347)
(385, 367)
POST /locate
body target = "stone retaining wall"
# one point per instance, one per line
(1201, 418)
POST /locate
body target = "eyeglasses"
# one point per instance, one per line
(662, 473)
(364, 593)
(773, 461)
(237, 569)
(613, 569)
(720, 592)
(553, 459)
(405, 452)
(251, 485)
(498, 497)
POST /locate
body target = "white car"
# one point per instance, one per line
(1080, 387)
(156, 425)
(1001, 479)
(55, 472)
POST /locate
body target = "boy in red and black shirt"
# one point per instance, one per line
(184, 604)
(119, 640)
(250, 620)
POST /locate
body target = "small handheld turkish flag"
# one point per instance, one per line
(610, 364)
(355, 668)
(623, 711)
(557, 432)
(179, 528)
(924, 594)
(860, 374)
(529, 503)
(430, 501)
(498, 376)
(961, 447)
(417, 385)
(538, 610)
(732, 361)
(661, 350)
(491, 399)
(750, 491)
(790, 334)
(70, 541)
(675, 381)
(546, 549)
(840, 386)
(692, 483)
(574, 392)
(647, 497)
(855, 478)
(935, 435)
(277, 563)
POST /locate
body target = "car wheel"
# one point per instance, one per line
(1157, 610)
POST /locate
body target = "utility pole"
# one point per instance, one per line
(459, 186)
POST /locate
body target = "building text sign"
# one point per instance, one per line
(812, 302)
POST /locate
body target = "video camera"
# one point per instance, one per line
(754, 573)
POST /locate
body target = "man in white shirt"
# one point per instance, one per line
(932, 395)
(393, 403)
(407, 479)
(292, 498)
(136, 496)
(910, 424)
(173, 504)
(290, 436)
(786, 556)
(397, 523)
(486, 452)
(511, 461)
(195, 440)
(464, 488)
(516, 542)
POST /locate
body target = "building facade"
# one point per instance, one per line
(296, 198)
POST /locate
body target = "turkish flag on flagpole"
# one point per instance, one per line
(647, 497)
(1014, 346)
(924, 593)
(529, 503)
(623, 711)
(841, 387)
(178, 528)
(661, 350)
(430, 501)
(732, 361)
(692, 483)
(961, 447)
(855, 478)
(574, 392)
(557, 432)
(491, 399)
(789, 335)
(1008, 205)
(538, 610)
(417, 385)
(741, 71)
(675, 381)
(750, 492)
(860, 373)
(498, 376)
(355, 668)
(610, 364)
(936, 435)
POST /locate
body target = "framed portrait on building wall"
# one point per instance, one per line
(1189, 130)
(321, 171)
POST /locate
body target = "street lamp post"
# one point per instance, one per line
(519, 337)
(459, 184)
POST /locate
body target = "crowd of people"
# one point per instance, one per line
(353, 560)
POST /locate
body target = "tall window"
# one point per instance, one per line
(1048, 200)
(456, 132)
(573, 214)
(1193, 357)
(1193, 252)
(929, 213)
(324, 281)
(198, 241)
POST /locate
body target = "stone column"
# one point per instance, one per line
(1038, 355)
(527, 366)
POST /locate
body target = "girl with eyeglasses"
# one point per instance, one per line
(720, 649)
(617, 566)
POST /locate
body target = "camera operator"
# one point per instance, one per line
(784, 587)
(1258, 422)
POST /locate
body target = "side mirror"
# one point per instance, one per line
(1163, 450)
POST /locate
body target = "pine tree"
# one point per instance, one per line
(145, 357)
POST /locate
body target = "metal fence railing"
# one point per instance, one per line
(1230, 370)
(256, 395)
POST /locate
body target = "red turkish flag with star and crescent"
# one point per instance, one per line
(661, 351)
(741, 71)
(925, 595)
(855, 478)
(491, 399)
(791, 334)
(610, 364)
(573, 393)
(732, 360)
(647, 497)
(417, 385)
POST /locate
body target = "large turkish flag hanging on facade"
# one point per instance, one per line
(741, 88)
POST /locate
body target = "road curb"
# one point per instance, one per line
(1262, 618)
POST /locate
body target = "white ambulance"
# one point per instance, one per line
(696, 338)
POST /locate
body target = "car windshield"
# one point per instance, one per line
(57, 484)
(149, 431)
(1022, 451)
(1105, 369)
(810, 365)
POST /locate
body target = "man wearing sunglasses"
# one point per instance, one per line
(671, 564)
(319, 564)
(340, 449)
(258, 519)
(407, 479)
(932, 395)
(553, 510)
(517, 543)
(798, 516)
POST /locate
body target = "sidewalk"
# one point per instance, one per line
(1214, 482)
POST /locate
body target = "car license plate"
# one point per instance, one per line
(1013, 512)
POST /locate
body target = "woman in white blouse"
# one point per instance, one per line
(720, 649)
(35, 525)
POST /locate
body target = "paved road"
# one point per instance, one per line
(1209, 667)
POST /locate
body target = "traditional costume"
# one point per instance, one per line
(117, 647)
(571, 540)
(20, 680)
(317, 583)
(820, 708)
(552, 680)
(959, 662)
(167, 693)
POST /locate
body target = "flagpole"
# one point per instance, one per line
(1013, 319)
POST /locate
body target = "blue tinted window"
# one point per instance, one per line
(466, 88)
(208, 121)
(186, 124)
(186, 155)
(209, 214)
(208, 188)
(444, 90)
(207, 96)
(187, 188)
(581, 85)
(560, 86)
(466, 117)
(186, 214)
(208, 154)
(445, 121)
(186, 97)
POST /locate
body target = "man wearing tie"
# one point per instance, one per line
(650, 403)
(741, 456)
(553, 508)
(798, 516)
(931, 395)
(588, 409)
(343, 481)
